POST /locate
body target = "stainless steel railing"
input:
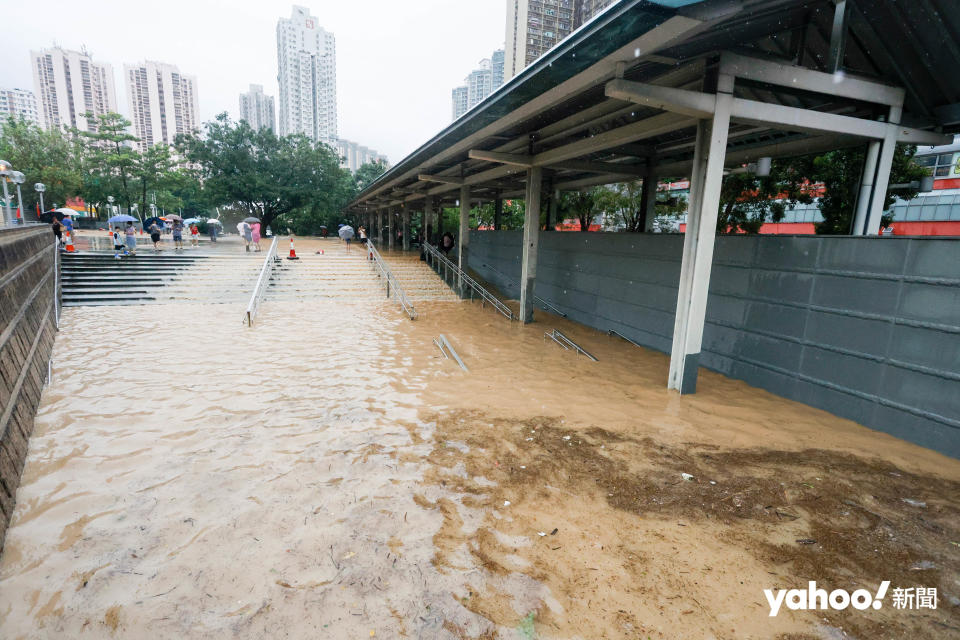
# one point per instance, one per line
(463, 282)
(557, 336)
(546, 305)
(258, 291)
(390, 280)
(448, 351)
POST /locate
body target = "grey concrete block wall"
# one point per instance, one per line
(866, 328)
(28, 307)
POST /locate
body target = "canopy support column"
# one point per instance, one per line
(531, 241)
(698, 244)
(498, 213)
(390, 227)
(866, 187)
(464, 236)
(648, 202)
(884, 165)
(406, 229)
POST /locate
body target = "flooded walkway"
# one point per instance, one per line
(329, 475)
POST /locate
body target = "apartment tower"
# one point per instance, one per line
(535, 26)
(71, 89)
(257, 109)
(19, 104)
(307, 75)
(163, 102)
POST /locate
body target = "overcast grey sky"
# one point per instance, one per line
(396, 61)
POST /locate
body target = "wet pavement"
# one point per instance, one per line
(330, 475)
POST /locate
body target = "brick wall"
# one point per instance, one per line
(28, 324)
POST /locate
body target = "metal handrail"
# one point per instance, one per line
(260, 289)
(557, 336)
(614, 332)
(545, 304)
(390, 280)
(447, 350)
(485, 296)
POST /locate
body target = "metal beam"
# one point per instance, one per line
(838, 37)
(637, 171)
(689, 103)
(424, 177)
(515, 159)
(795, 77)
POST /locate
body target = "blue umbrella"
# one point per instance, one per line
(345, 232)
(122, 218)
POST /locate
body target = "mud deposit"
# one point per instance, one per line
(330, 475)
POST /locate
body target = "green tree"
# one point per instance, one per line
(51, 157)
(369, 172)
(110, 161)
(840, 172)
(283, 181)
(583, 205)
(748, 200)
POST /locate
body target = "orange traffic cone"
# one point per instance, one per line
(70, 248)
(293, 253)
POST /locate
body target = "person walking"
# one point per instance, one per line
(118, 242)
(194, 235)
(255, 235)
(131, 234)
(178, 235)
(155, 236)
(212, 229)
(247, 235)
(58, 231)
(363, 235)
(447, 243)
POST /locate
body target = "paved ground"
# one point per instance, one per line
(329, 475)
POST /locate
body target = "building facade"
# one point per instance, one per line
(353, 155)
(19, 104)
(536, 26)
(460, 101)
(162, 101)
(69, 85)
(258, 109)
(307, 75)
(482, 81)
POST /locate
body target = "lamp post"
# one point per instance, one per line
(40, 188)
(112, 212)
(5, 171)
(18, 179)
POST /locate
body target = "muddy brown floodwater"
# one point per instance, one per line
(330, 475)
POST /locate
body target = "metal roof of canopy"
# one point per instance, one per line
(560, 113)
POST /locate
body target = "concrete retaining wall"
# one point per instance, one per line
(28, 312)
(866, 328)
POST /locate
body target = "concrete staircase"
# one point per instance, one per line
(97, 279)
(420, 282)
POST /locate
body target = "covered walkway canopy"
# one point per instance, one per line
(686, 87)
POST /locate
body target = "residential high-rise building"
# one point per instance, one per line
(535, 26)
(459, 95)
(163, 102)
(19, 104)
(497, 65)
(307, 74)
(481, 82)
(257, 109)
(71, 89)
(353, 155)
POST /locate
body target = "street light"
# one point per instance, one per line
(40, 188)
(5, 170)
(18, 179)
(110, 201)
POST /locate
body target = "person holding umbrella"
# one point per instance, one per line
(177, 227)
(247, 230)
(155, 236)
(213, 227)
(346, 234)
(118, 239)
(255, 234)
(131, 234)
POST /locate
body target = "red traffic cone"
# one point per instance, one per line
(293, 253)
(70, 248)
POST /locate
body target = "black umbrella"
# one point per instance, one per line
(251, 220)
(151, 221)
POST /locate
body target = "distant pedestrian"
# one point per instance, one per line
(247, 235)
(155, 236)
(57, 230)
(131, 234)
(363, 235)
(118, 242)
(212, 229)
(178, 235)
(447, 243)
(255, 235)
(194, 236)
